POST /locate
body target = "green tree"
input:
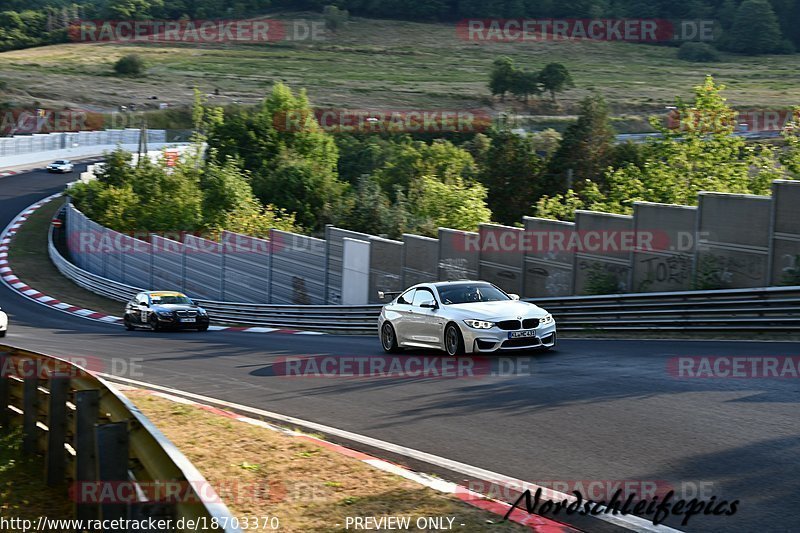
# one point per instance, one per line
(790, 158)
(293, 163)
(755, 29)
(513, 176)
(130, 65)
(501, 78)
(459, 205)
(555, 78)
(410, 160)
(702, 155)
(588, 144)
(523, 84)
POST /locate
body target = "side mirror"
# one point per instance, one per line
(430, 304)
(144, 304)
(514, 296)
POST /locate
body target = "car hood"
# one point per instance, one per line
(176, 307)
(496, 310)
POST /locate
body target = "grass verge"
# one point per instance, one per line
(23, 493)
(31, 263)
(259, 472)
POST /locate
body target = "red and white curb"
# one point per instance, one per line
(5, 173)
(618, 522)
(537, 523)
(13, 282)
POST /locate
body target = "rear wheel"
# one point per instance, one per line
(453, 341)
(389, 338)
(2, 333)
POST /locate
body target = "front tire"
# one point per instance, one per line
(389, 338)
(2, 334)
(202, 328)
(128, 325)
(154, 325)
(453, 340)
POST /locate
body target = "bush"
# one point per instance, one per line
(697, 52)
(129, 65)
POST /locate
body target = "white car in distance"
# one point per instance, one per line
(61, 165)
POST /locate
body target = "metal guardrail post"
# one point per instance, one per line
(87, 403)
(57, 429)
(5, 418)
(113, 443)
(30, 408)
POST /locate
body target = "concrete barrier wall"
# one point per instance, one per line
(785, 255)
(385, 267)
(548, 268)
(733, 241)
(203, 267)
(459, 254)
(297, 269)
(29, 149)
(334, 239)
(602, 264)
(502, 257)
(420, 259)
(663, 257)
(247, 271)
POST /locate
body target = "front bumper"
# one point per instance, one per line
(173, 322)
(494, 339)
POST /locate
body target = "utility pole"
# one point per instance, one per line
(142, 142)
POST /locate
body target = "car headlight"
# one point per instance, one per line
(546, 319)
(165, 314)
(479, 324)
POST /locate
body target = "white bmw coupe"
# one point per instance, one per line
(463, 317)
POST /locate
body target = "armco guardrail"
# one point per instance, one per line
(767, 309)
(97, 442)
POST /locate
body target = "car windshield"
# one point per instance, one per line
(470, 293)
(59, 162)
(171, 300)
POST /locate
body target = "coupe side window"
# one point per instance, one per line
(407, 297)
(422, 295)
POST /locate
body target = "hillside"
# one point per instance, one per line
(385, 64)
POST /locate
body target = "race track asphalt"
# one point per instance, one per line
(593, 410)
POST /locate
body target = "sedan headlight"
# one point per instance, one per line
(165, 314)
(479, 324)
(546, 319)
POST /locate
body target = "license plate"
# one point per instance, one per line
(188, 320)
(522, 334)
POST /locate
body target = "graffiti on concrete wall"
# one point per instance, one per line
(674, 270)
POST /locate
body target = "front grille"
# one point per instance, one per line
(509, 325)
(521, 343)
(186, 314)
(530, 323)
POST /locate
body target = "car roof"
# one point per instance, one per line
(459, 282)
(163, 293)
